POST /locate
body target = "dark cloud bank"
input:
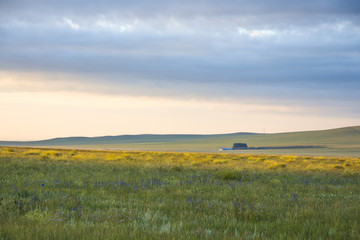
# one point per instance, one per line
(306, 52)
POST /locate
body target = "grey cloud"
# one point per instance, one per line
(186, 7)
(243, 12)
(305, 52)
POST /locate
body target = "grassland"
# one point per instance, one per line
(338, 142)
(75, 194)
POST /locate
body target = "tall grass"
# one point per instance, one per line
(73, 194)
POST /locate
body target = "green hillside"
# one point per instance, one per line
(122, 139)
(331, 138)
(341, 141)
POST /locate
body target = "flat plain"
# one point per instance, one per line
(337, 142)
(92, 194)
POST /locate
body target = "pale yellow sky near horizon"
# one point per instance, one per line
(40, 115)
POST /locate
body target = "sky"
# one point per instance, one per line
(94, 68)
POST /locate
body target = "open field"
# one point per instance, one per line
(75, 194)
(338, 142)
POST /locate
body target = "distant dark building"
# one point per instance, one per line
(239, 146)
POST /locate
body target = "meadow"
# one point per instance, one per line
(83, 194)
(336, 142)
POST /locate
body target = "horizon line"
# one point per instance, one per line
(179, 134)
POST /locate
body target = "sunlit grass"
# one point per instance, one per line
(207, 160)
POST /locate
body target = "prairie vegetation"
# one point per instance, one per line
(336, 142)
(76, 194)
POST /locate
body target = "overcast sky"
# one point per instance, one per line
(127, 67)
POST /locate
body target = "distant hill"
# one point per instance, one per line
(332, 137)
(121, 139)
(340, 141)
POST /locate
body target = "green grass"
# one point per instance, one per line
(74, 194)
(339, 142)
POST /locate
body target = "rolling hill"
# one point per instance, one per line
(340, 141)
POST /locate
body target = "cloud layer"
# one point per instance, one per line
(295, 54)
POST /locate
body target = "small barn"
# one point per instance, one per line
(239, 146)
